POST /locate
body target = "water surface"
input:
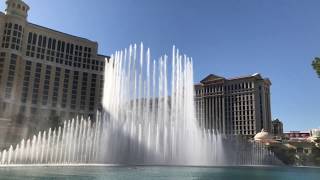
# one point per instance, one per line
(160, 172)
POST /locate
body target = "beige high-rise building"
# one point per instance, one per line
(45, 74)
(238, 106)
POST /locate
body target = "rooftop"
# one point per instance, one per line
(215, 78)
(276, 121)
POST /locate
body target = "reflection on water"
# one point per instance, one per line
(160, 172)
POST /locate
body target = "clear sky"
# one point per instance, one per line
(277, 38)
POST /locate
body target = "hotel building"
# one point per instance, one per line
(46, 74)
(237, 106)
(277, 128)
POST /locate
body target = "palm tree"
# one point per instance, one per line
(316, 65)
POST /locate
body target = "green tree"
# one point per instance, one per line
(316, 65)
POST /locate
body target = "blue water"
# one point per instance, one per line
(160, 172)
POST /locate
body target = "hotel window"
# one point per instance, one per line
(36, 84)
(56, 85)
(53, 48)
(29, 44)
(7, 35)
(34, 39)
(74, 89)
(58, 51)
(77, 56)
(46, 85)
(92, 92)
(44, 41)
(49, 43)
(43, 47)
(33, 45)
(2, 56)
(54, 44)
(101, 86)
(39, 47)
(93, 62)
(83, 91)
(67, 51)
(65, 88)
(69, 54)
(48, 53)
(26, 82)
(11, 74)
(29, 38)
(101, 66)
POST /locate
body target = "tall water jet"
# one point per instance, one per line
(150, 119)
(150, 126)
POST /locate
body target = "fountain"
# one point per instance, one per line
(148, 118)
(77, 141)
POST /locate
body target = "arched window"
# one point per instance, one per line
(19, 6)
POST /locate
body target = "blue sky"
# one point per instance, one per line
(277, 38)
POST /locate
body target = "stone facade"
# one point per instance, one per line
(237, 106)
